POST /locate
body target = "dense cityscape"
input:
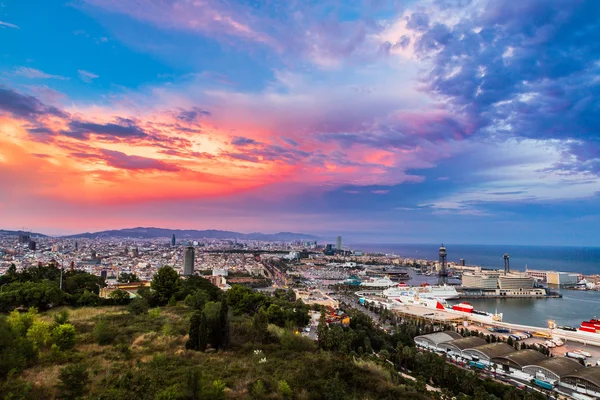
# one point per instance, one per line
(300, 200)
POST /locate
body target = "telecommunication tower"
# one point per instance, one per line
(443, 275)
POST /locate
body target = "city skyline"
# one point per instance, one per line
(420, 121)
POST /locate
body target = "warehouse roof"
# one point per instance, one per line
(521, 358)
(467, 343)
(439, 337)
(492, 350)
(559, 366)
(590, 374)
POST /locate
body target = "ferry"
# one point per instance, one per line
(591, 326)
(413, 298)
(443, 292)
(466, 308)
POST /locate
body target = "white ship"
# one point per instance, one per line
(444, 292)
(410, 297)
(381, 283)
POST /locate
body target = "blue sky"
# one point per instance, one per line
(466, 121)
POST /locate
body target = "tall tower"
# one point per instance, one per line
(338, 243)
(188, 261)
(173, 240)
(506, 264)
(443, 275)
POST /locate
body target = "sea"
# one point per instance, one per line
(574, 307)
(585, 260)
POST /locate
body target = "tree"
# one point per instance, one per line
(120, 296)
(165, 283)
(73, 381)
(197, 300)
(194, 332)
(203, 333)
(260, 323)
(224, 322)
(125, 277)
(138, 306)
(103, 333)
(88, 298)
(64, 336)
(284, 390)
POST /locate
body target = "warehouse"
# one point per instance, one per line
(553, 369)
(456, 347)
(433, 340)
(586, 380)
(489, 351)
(519, 359)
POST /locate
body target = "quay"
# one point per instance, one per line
(446, 317)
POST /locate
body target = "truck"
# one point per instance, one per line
(476, 364)
(543, 384)
(576, 356)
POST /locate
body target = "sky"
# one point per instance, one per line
(458, 121)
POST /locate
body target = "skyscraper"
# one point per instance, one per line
(173, 240)
(188, 261)
(338, 243)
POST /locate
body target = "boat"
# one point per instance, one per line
(466, 308)
(591, 326)
(410, 297)
(379, 283)
(442, 292)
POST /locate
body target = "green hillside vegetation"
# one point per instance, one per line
(185, 339)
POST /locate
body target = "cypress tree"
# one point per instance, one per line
(203, 333)
(224, 317)
(194, 333)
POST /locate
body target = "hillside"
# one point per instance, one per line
(17, 233)
(150, 233)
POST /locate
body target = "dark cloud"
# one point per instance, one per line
(120, 160)
(242, 141)
(26, 107)
(123, 128)
(192, 115)
(521, 69)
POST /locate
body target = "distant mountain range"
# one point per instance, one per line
(17, 233)
(150, 233)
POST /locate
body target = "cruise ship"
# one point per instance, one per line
(444, 292)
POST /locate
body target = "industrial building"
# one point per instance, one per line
(586, 380)
(434, 340)
(561, 278)
(488, 351)
(553, 369)
(525, 365)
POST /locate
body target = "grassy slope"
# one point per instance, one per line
(148, 355)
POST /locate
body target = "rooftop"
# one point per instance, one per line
(468, 342)
(493, 350)
(440, 337)
(521, 358)
(590, 374)
(560, 366)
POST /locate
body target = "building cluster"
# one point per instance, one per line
(523, 365)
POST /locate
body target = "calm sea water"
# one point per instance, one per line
(585, 260)
(571, 309)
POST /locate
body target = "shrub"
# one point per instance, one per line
(119, 296)
(39, 334)
(258, 390)
(64, 336)
(197, 300)
(103, 333)
(61, 318)
(284, 390)
(138, 306)
(88, 298)
(73, 381)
